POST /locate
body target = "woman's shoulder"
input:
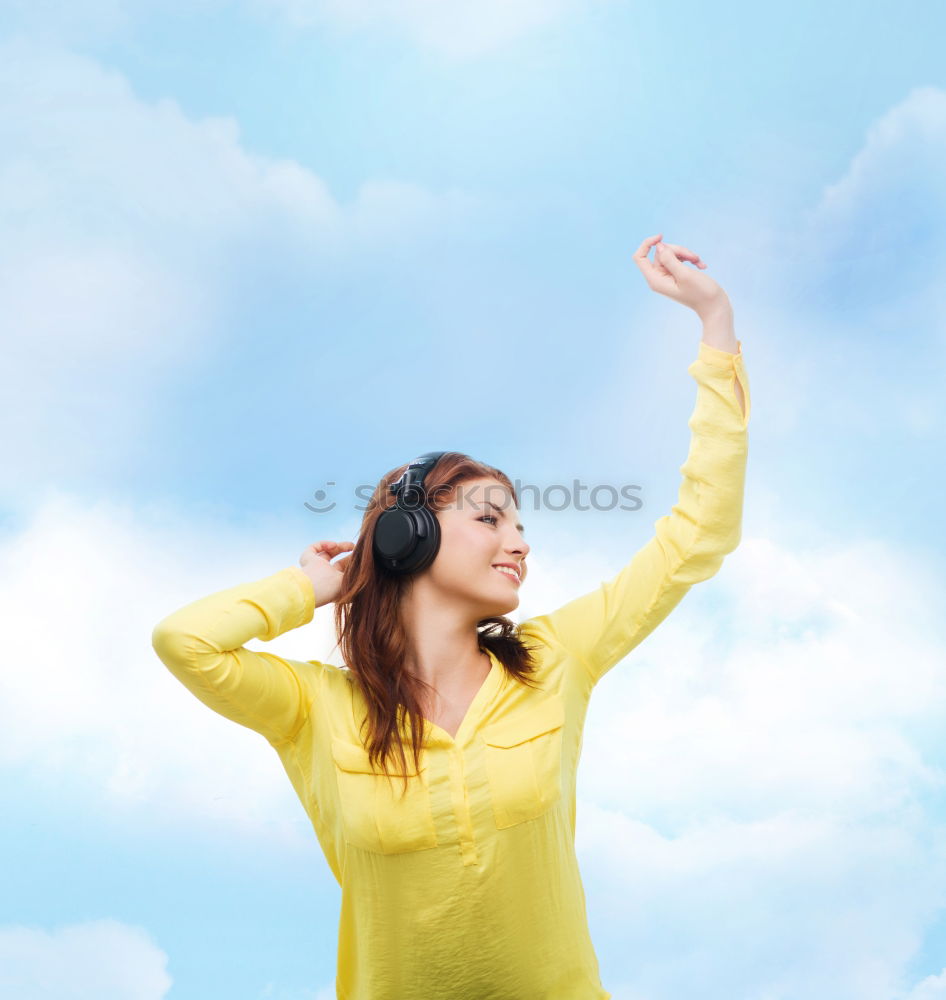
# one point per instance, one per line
(331, 671)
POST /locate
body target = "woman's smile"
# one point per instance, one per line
(508, 571)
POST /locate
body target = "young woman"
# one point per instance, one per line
(439, 768)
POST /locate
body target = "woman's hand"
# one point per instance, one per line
(668, 275)
(325, 575)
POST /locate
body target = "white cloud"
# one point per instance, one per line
(866, 267)
(907, 142)
(104, 959)
(931, 988)
(130, 231)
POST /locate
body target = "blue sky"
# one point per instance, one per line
(251, 249)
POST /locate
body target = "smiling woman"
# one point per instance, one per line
(462, 883)
(422, 604)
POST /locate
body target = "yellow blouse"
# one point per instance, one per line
(469, 887)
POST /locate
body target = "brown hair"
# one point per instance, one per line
(368, 624)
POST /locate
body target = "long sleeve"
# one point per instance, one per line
(601, 627)
(202, 645)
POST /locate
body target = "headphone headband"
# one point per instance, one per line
(411, 482)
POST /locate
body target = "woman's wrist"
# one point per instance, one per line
(719, 328)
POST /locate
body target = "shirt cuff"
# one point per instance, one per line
(306, 589)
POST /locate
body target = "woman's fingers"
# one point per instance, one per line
(685, 254)
(655, 270)
(640, 254)
(645, 246)
(326, 550)
(658, 273)
(330, 549)
(652, 270)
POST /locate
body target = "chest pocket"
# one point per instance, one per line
(524, 763)
(377, 814)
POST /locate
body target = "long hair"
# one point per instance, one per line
(371, 633)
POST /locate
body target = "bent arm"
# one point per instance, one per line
(689, 544)
(202, 645)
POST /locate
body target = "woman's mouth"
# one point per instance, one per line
(508, 572)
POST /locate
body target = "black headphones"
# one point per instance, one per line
(407, 535)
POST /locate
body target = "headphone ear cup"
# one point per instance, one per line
(428, 542)
(406, 541)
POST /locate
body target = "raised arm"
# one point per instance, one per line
(202, 645)
(603, 626)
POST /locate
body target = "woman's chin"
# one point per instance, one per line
(509, 605)
(502, 601)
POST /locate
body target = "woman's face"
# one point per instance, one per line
(480, 529)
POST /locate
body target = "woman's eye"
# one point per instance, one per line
(489, 517)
